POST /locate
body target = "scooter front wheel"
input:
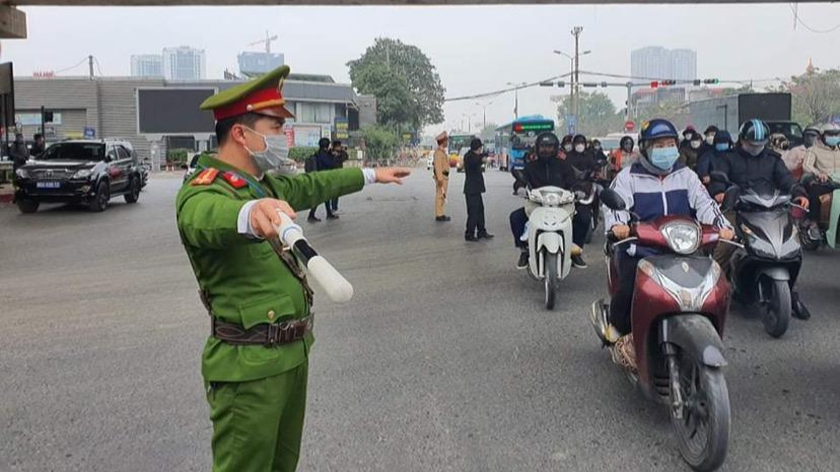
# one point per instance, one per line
(551, 280)
(703, 430)
(776, 307)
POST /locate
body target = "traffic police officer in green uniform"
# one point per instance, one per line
(255, 361)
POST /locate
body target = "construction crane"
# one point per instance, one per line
(267, 41)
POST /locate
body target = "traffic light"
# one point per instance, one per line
(697, 82)
(711, 81)
(654, 84)
(665, 83)
(604, 84)
(48, 117)
(546, 84)
(561, 84)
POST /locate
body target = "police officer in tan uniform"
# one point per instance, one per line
(441, 175)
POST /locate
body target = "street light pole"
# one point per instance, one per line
(576, 102)
(516, 99)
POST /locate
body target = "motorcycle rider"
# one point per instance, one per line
(750, 165)
(542, 168)
(656, 178)
(566, 145)
(582, 162)
(796, 157)
(624, 156)
(823, 163)
(690, 154)
(709, 135)
(721, 146)
(688, 136)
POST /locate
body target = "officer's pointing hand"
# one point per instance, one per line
(264, 217)
(391, 175)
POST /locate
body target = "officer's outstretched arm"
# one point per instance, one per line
(308, 190)
(208, 219)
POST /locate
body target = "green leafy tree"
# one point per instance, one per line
(381, 142)
(400, 76)
(816, 96)
(598, 115)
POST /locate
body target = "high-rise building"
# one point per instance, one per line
(184, 63)
(656, 62)
(683, 64)
(147, 65)
(257, 63)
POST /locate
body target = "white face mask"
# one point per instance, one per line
(275, 154)
(567, 147)
(580, 147)
(696, 144)
(710, 139)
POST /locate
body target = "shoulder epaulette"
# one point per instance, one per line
(206, 177)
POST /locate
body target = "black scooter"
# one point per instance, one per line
(764, 270)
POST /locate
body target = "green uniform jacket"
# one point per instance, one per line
(245, 281)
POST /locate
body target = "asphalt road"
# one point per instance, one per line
(444, 361)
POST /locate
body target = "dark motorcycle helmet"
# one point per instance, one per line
(754, 131)
(546, 146)
(656, 129)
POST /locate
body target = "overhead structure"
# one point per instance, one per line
(13, 21)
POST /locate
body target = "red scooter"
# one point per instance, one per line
(678, 312)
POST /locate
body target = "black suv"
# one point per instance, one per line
(80, 171)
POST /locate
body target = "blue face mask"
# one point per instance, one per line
(664, 158)
(721, 147)
(832, 140)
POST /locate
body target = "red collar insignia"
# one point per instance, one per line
(234, 180)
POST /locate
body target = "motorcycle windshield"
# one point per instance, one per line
(762, 194)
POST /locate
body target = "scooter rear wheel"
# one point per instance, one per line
(703, 431)
(775, 310)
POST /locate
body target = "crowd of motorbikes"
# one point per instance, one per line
(682, 296)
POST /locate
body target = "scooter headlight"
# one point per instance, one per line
(683, 238)
(22, 173)
(552, 199)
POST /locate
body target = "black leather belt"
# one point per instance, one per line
(268, 335)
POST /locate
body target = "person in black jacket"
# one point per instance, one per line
(585, 168)
(323, 160)
(473, 188)
(543, 168)
(340, 156)
(721, 146)
(751, 165)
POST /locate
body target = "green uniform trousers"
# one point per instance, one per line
(257, 425)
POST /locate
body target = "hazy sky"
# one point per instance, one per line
(475, 49)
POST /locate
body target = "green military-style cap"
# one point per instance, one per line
(262, 95)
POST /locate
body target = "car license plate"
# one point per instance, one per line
(48, 185)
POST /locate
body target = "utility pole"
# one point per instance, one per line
(576, 87)
(90, 66)
(627, 114)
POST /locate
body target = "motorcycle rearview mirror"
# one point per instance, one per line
(730, 197)
(721, 176)
(612, 200)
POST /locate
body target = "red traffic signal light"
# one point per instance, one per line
(654, 84)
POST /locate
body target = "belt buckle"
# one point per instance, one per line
(272, 335)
